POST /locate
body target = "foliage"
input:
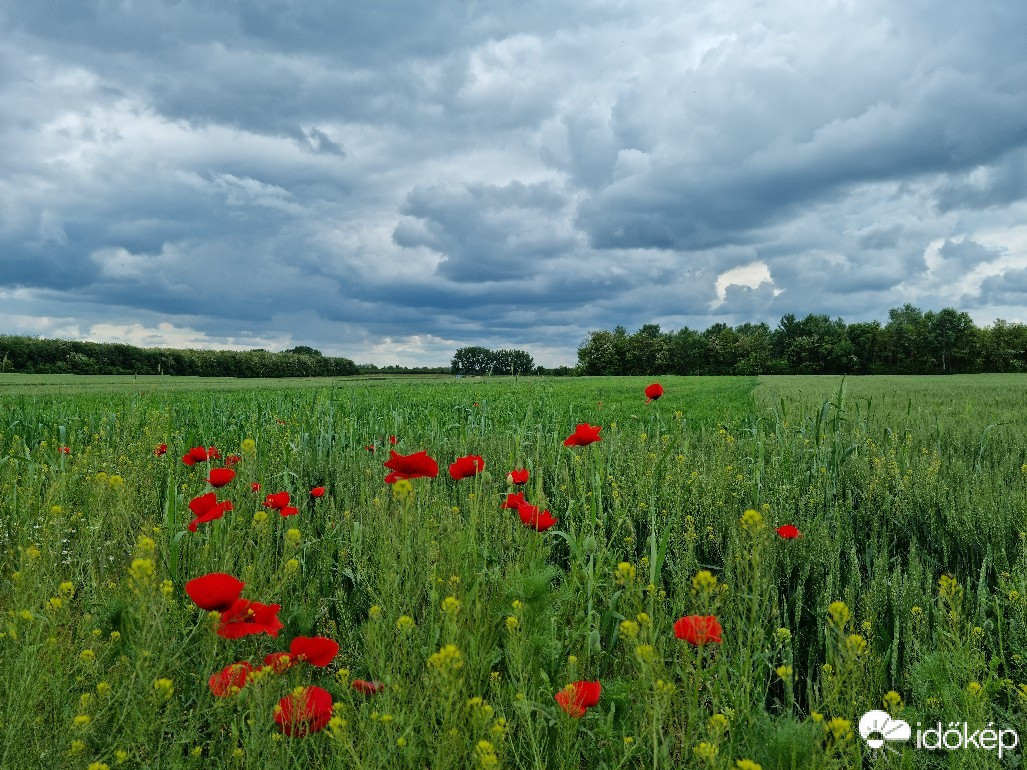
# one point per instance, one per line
(912, 342)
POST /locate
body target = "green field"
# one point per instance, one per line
(906, 592)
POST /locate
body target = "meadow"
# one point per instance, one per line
(745, 566)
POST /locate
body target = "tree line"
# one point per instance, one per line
(481, 361)
(43, 356)
(910, 342)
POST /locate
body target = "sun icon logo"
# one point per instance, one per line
(876, 727)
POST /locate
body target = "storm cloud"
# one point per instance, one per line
(391, 181)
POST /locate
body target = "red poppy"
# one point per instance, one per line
(465, 467)
(583, 435)
(304, 713)
(279, 662)
(197, 454)
(65, 450)
(575, 698)
(698, 629)
(213, 453)
(207, 508)
(160, 449)
(513, 502)
(233, 459)
(789, 531)
(530, 515)
(315, 650)
(277, 501)
(288, 510)
(280, 421)
(317, 492)
(393, 440)
(255, 486)
(365, 687)
(220, 476)
(369, 447)
(653, 392)
(415, 466)
(229, 680)
(245, 617)
(215, 591)
(518, 477)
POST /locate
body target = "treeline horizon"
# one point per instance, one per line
(910, 342)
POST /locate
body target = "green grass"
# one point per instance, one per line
(894, 482)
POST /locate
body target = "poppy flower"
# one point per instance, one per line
(229, 680)
(288, 510)
(583, 435)
(279, 662)
(65, 450)
(653, 392)
(255, 486)
(160, 449)
(233, 459)
(393, 440)
(245, 617)
(364, 687)
(415, 466)
(369, 447)
(198, 454)
(315, 650)
(518, 477)
(215, 591)
(698, 629)
(466, 467)
(277, 501)
(220, 476)
(303, 713)
(207, 508)
(530, 515)
(789, 532)
(317, 492)
(513, 502)
(576, 697)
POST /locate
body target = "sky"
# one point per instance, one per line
(391, 181)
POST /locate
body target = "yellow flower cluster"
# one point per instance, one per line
(447, 660)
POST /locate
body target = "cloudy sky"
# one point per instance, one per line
(390, 181)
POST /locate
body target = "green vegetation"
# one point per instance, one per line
(907, 590)
(911, 342)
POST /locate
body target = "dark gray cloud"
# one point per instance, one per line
(391, 181)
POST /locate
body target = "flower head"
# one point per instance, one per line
(466, 467)
(532, 517)
(277, 500)
(317, 492)
(198, 454)
(413, 466)
(789, 532)
(306, 710)
(576, 697)
(207, 508)
(513, 501)
(220, 476)
(583, 435)
(160, 449)
(366, 687)
(245, 617)
(214, 592)
(653, 392)
(315, 650)
(698, 629)
(518, 476)
(279, 662)
(230, 680)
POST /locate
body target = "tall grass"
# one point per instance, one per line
(910, 576)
